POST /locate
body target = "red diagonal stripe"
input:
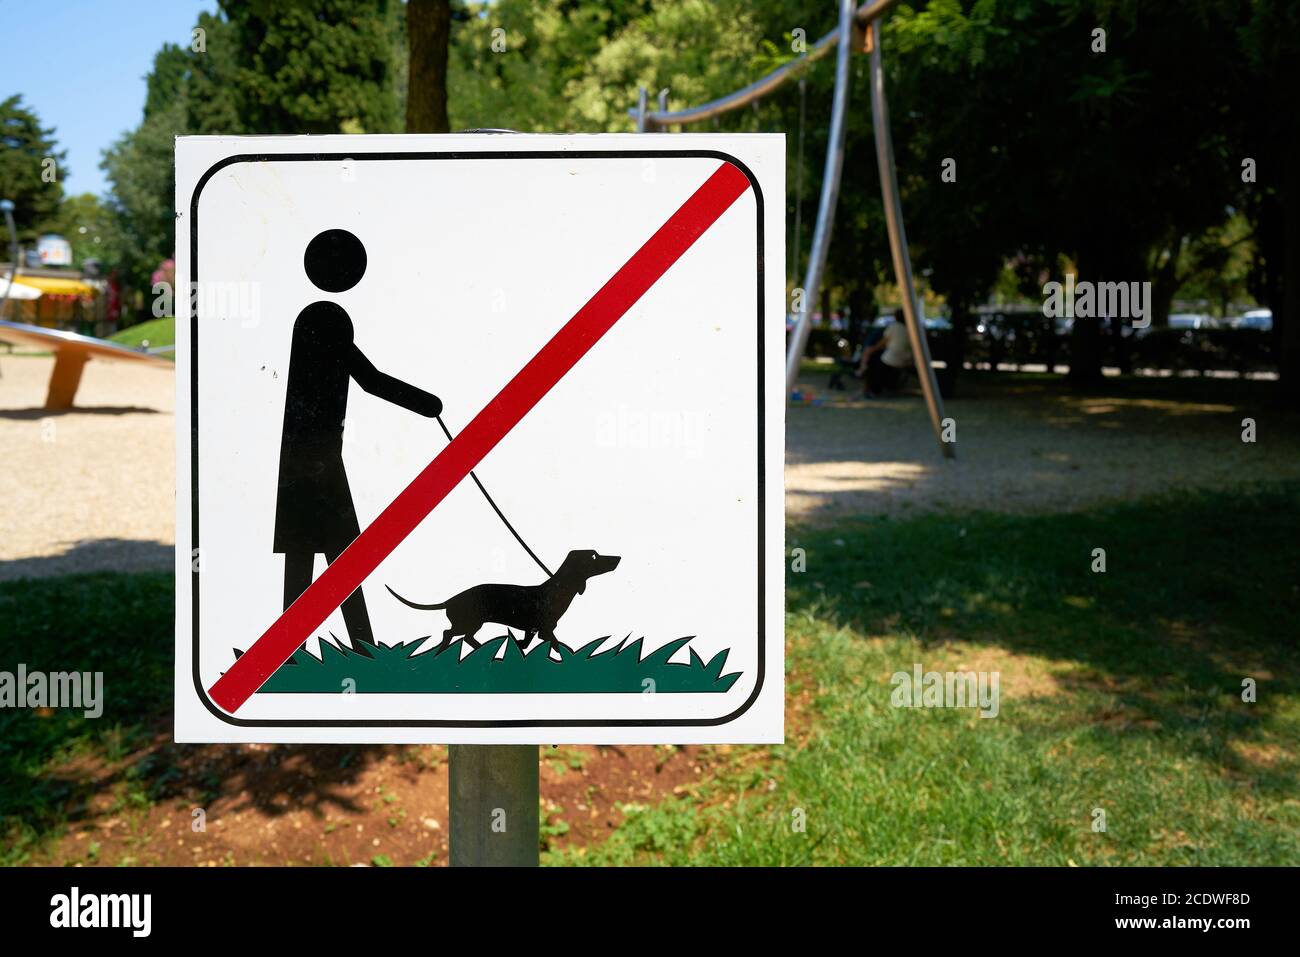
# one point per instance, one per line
(477, 439)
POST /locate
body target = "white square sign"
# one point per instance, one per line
(480, 438)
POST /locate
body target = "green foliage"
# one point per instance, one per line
(91, 227)
(1061, 151)
(209, 89)
(398, 670)
(141, 167)
(165, 83)
(303, 66)
(577, 67)
(312, 66)
(1214, 266)
(27, 145)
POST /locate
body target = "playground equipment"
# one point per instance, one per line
(858, 27)
(71, 350)
(71, 353)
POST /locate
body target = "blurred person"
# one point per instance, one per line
(883, 362)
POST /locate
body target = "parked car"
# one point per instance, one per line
(1189, 320)
(1261, 319)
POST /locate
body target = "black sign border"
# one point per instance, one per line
(194, 441)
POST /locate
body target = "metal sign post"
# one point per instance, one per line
(493, 789)
(493, 805)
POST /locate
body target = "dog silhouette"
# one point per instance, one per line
(534, 609)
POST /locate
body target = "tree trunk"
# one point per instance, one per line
(1085, 332)
(428, 31)
(1164, 283)
(1093, 337)
(1085, 353)
(954, 357)
(862, 308)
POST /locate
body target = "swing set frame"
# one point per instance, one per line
(858, 28)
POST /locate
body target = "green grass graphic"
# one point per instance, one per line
(395, 670)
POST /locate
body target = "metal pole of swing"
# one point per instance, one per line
(830, 196)
(494, 791)
(898, 244)
(642, 112)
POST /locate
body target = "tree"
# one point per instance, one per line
(1065, 151)
(209, 88)
(92, 229)
(141, 169)
(166, 81)
(1268, 134)
(31, 169)
(559, 66)
(428, 31)
(323, 66)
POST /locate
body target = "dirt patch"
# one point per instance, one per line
(260, 804)
(584, 788)
(91, 488)
(1262, 754)
(1019, 676)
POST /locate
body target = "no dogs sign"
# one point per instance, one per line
(480, 439)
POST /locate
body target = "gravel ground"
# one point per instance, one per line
(1027, 444)
(92, 488)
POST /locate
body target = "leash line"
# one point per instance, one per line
(496, 508)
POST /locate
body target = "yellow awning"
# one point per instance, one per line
(57, 287)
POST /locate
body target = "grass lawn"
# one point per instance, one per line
(1119, 691)
(118, 624)
(159, 332)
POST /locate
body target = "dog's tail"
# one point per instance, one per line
(413, 604)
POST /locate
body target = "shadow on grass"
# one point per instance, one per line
(121, 554)
(1199, 593)
(58, 768)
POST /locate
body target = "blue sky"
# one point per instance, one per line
(80, 64)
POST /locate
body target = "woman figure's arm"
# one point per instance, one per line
(391, 390)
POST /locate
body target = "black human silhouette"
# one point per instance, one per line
(314, 513)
